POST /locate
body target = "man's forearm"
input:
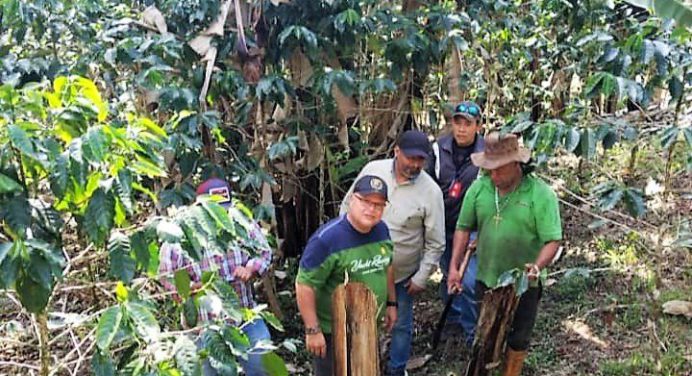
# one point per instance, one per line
(459, 248)
(305, 296)
(547, 254)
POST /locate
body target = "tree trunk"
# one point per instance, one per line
(494, 321)
(354, 331)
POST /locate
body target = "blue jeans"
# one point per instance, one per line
(402, 333)
(255, 331)
(464, 310)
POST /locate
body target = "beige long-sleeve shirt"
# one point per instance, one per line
(415, 217)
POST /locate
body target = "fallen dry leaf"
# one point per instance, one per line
(418, 362)
(678, 307)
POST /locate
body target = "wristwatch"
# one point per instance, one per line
(313, 330)
(392, 304)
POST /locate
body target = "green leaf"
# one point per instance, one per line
(669, 136)
(675, 87)
(272, 320)
(59, 176)
(102, 365)
(587, 144)
(673, 9)
(144, 320)
(40, 270)
(146, 167)
(121, 293)
(505, 279)
(4, 250)
(33, 295)
(182, 283)
(572, 139)
(94, 147)
(274, 365)
(688, 136)
(8, 184)
(220, 215)
(237, 340)
(122, 264)
(9, 269)
(610, 199)
(186, 358)
(217, 348)
(169, 232)
(634, 199)
(190, 312)
(522, 284)
(20, 140)
(91, 92)
(108, 326)
(17, 214)
(99, 215)
(152, 127)
(593, 84)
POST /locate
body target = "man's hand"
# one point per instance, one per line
(533, 271)
(243, 273)
(454, 285)
(413, 288)
(390, 318)
(316, 344)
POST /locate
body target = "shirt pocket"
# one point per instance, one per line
(413, 218)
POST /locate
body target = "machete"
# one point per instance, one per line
(448, 304)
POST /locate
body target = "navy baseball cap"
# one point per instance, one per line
(414, 144)
(370, 184)
(216, 187)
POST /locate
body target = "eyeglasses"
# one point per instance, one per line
(466, 108)
(375, 205)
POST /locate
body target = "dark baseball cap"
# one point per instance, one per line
(414, 144)
(370, 184)
(216, 187)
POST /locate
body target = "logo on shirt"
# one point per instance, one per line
(371, 265)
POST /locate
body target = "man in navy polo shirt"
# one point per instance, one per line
(356, 244)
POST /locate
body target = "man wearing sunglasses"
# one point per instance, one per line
(452, 169)
(415, 217)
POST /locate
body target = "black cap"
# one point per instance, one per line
(370, 184)
(414, 144)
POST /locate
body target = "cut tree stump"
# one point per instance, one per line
(494, 322)
(354, 331)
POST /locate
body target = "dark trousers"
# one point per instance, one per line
(324, 366)
(524, 317)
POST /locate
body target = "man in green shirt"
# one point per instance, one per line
(518, 222)
(356, 244)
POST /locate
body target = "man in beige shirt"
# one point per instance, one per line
(415, 217)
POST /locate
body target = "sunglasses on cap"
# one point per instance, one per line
(467, 108)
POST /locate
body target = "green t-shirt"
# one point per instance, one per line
(529, 218)
(337, 249)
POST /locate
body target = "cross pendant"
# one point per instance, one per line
(497, 218)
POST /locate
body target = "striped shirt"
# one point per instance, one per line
(173, 257)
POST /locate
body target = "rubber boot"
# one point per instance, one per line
(514, 360)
